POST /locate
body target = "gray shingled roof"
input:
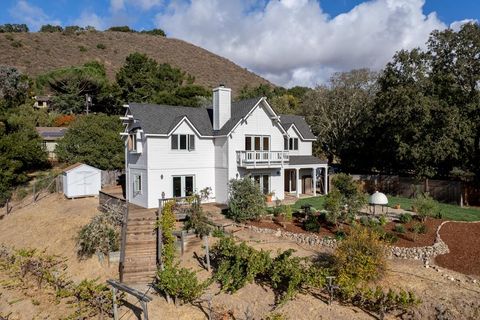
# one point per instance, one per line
(288, 119)
(239, 110)
(51, 133)
(161, 119)
(300, 160)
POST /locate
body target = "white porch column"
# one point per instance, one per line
(299, 182)
(314, 179)
(325, 182)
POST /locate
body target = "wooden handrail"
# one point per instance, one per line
(123, 244)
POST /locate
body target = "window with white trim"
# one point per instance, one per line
(290, 144)
(183, 142)
(137, 184)
(132, 142)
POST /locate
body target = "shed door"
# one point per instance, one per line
(83, 182)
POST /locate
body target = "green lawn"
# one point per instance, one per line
(316, 202)
(449, 211)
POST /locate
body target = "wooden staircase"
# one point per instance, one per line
(140, 246)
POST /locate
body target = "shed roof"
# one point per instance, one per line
(76, 165)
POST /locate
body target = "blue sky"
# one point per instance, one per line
(290, 42)
(68, 11)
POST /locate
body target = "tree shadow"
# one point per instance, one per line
(324, 260)
(137, 311)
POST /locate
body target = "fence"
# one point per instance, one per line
(111, 178)
(447, 191)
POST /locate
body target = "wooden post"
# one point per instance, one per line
(115, 308)
(145, 310)
(159, 235)
(207, 253)
(182, 239)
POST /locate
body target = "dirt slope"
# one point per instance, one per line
(41, 52)
(52, 224)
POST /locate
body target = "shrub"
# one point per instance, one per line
(93, 297)
(246, 200)
(180, 283)
(16, 44)
(382, 220)
(101, 235)
(288, 275)
(381, 302)
(64, 120)
(333, 205)
(426, 206)
(236, 265)
(50, 28)
(101, 46)
(198, 221)
(418, 228)
(405, 218)
(121, 29)
(360, 257)
(400, 228)
(311, 223)
(155, 32)
(82, 49)
(389, 237)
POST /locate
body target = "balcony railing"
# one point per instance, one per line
(262, 158)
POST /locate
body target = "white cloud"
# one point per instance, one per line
(119, 5)
(33, 16)
(457, 25)
(90, 19)
(293, 41)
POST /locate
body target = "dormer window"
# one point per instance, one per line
(183, 142)
(290, 144)
(134, 143)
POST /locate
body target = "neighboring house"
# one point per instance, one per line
(50, 137)
(42, 102)
(175, 151)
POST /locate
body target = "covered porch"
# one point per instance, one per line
(305, 175)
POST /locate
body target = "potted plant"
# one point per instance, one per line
(268, 196)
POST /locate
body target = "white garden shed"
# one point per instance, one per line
(81, 180)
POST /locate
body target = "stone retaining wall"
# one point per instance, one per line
(415, 253)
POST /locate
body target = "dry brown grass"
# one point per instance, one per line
(42, 52)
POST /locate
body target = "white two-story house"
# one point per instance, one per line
(173, 151)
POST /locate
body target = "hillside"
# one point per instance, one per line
(36, 53)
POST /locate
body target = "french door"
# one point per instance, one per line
(263, 181)
(183, 186)
(259, 144)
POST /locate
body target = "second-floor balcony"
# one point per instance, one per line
(262, 159)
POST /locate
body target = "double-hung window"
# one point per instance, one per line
(137, 184)
(183, 142)
(132, 142)
(290, 144)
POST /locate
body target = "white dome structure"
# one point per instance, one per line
(378, 198)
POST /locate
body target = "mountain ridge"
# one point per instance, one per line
(39, 52)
